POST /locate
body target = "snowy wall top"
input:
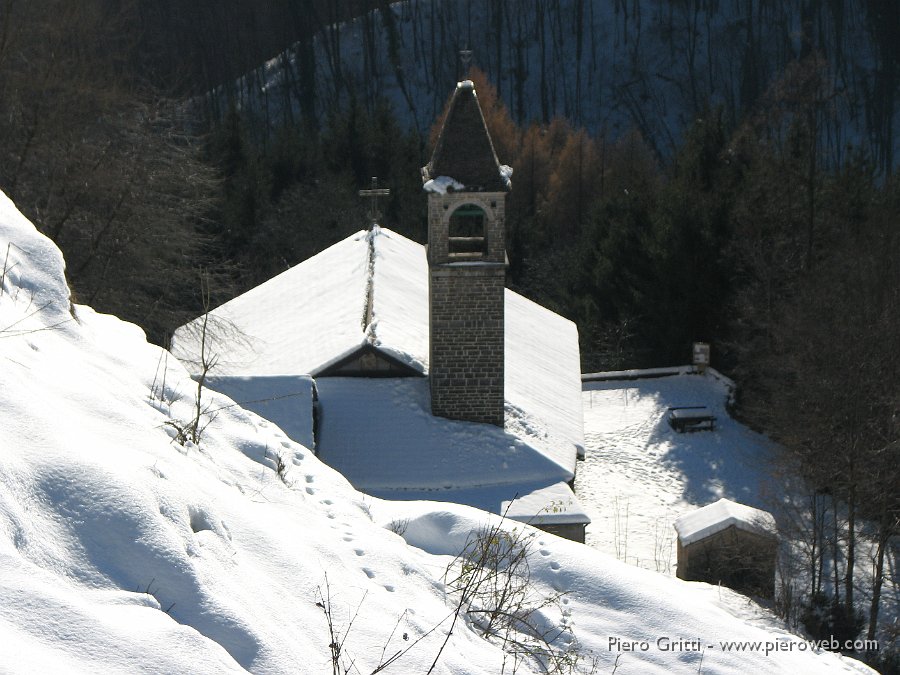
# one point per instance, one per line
(704, 522)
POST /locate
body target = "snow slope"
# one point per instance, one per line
(123, 551)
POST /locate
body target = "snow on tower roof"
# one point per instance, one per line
(702, 523)
(463, 150)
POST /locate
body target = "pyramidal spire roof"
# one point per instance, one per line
(464, 151)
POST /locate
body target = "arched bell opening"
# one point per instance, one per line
(468, 233)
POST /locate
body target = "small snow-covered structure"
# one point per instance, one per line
(419, 375)
(729, 543)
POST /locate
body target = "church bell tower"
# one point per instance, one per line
(467, 262)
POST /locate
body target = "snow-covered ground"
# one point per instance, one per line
(123, 550)
(640, 475)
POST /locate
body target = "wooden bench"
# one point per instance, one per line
(691, 418)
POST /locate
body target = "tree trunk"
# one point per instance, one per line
(851, 542)
(878, 580)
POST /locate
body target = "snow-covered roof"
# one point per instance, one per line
(721, 515)
(296, 323)
(543, 366)
(372, 289)
(285, 400)
(380, 434)
(551, 505)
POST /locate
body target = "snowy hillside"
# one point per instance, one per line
(124, 550)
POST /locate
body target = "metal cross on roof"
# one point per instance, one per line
(374, 193)
(465, 55)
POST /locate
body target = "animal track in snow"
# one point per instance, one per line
(554, 565)
(369, 573)
(359, 552)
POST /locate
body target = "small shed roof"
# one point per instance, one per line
(552, 505)
(713, 518)
(464, 150)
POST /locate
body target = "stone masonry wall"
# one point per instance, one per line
(466, 350)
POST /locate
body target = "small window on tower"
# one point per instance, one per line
(468, 236)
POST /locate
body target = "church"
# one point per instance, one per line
(411, 369)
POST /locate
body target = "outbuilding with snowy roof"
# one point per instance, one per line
(729, 543)
(412, 369)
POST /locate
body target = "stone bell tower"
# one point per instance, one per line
(467, 265)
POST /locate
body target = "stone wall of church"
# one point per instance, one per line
(466, 346)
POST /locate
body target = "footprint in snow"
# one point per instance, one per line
(327, 502)
(359, 552)
(310, 478)
(310, 491)
(554, 566)
(369, 573)
(389, 589)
